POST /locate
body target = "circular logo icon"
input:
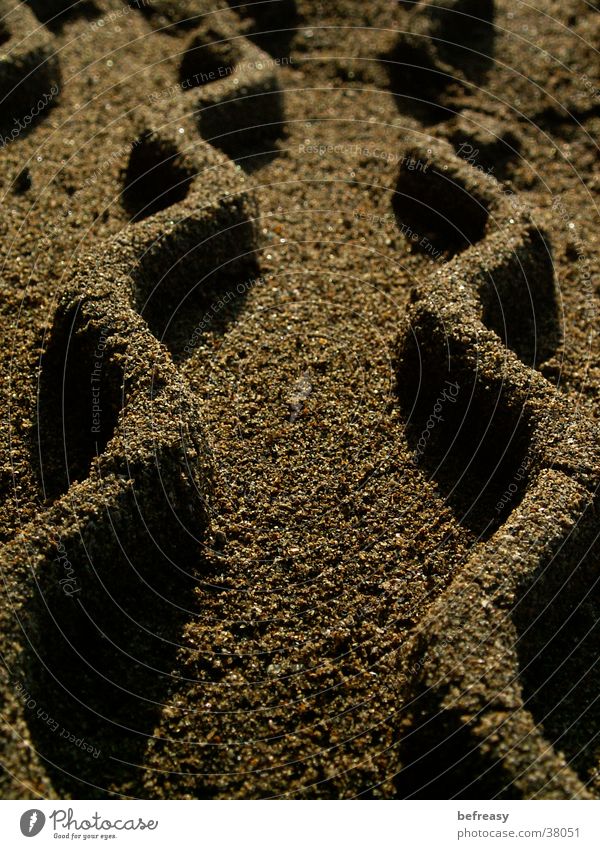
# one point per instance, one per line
(32, 822)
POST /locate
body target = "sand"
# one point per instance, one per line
(300, 381)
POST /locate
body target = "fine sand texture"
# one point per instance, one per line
(300, 377)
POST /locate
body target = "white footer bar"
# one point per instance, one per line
(302, 825)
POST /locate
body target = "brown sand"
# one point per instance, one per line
(270, 581)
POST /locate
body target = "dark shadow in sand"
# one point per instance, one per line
(432, 205)
(466, 42)
(68, 436)
(239, 121)
(419, 87)
(104, 634)
(442, 760)
(55, 13)
(195, 295)
(520, 307)
(524, 311)
(200, 286)
(156, 177)
(235, 127)
(558, 621)
(210, 305)
(471, 438)
(271, 24)
(426, 71)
